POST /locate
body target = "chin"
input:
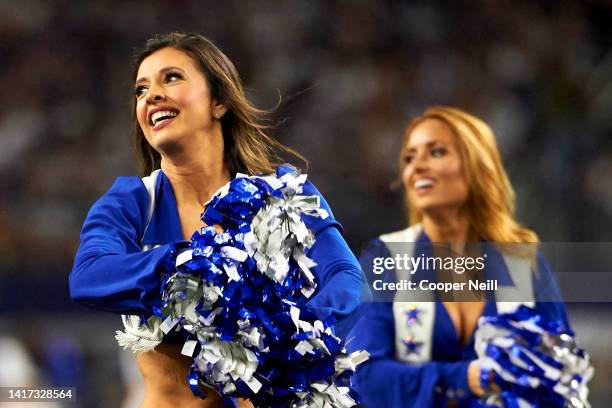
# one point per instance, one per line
(439, 207)
(425, 205)
(164, 140)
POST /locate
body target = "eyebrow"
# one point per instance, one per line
(161, 71)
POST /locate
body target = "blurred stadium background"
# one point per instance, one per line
(351, 74)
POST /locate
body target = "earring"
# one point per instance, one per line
(217, 115)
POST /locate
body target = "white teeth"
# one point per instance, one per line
(161, 114)
(421, 183)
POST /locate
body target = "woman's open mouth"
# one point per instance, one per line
(162, 118)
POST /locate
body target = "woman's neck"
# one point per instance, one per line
(448, 227)
(196, 175)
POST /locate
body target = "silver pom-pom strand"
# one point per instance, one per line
(140, 337)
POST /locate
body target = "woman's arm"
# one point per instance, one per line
(110, 270)
(341, 286)
(549, 302)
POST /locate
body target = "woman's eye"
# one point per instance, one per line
(139, 91)
(438, 151)
(173, 76)
(408, 158)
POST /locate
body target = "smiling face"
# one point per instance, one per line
(173, 101)
(433, 175)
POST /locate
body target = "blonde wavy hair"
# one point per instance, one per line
(490, 202)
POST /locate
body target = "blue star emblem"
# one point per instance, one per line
(412, 315)
(412, 346)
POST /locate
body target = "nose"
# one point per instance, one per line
(153, 98)
(155, 95)
(420, 161)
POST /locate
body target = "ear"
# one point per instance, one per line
(219, 109)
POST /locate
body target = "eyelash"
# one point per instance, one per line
(439, 150)
(173, 74)
(434, 152)
(139, 90)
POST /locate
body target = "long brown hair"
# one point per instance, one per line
(248, 148)
(490, 202)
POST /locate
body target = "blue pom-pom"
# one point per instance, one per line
(535, 361)
(239, 294)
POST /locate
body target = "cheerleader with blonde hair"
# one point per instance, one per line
(421, 341)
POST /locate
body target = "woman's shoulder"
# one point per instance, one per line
(410, 234)
(374, 248)
(126, 193)
(385, 244)
(127, 186)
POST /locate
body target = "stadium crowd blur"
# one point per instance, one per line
(349, 74)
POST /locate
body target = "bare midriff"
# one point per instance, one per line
(165, 372)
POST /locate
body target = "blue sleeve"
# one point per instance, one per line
(110, 270)
(341, 287)
(383, 381)
(547, 294)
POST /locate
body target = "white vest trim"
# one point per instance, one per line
(421, 331)
(149, 182)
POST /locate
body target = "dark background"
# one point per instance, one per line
(351, 74)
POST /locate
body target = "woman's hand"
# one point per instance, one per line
(473, 375)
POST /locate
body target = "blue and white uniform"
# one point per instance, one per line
(430, 370)
(112, 272)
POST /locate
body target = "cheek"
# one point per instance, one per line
(141, 113)
(408, 190)
(457, 183)
(406, 176)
